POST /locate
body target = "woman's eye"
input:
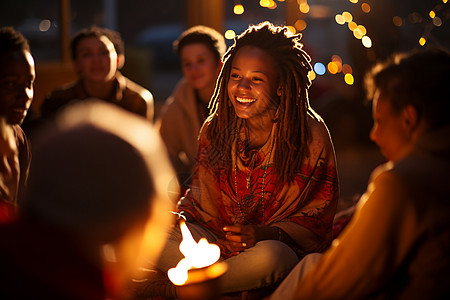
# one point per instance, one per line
(257, 79)
(235, 76)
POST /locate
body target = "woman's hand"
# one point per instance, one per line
(246, 236)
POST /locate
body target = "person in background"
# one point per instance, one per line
(397, 244)
(265, 186)
(200, 50)
(98, 55)
(96, 199)
(17, 75)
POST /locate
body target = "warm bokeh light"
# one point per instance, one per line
(362, 29)
(44, 25)
(397, 21)
(292, 29)
(347, 16)
(437, 21)
(272, 5)
(348, 78)
(445, 1)
(304, 8)
(366, 41)
(422, 41)
(336, 58)
(311, 75)
(196, 255)
(432, 14)
(332, 67)
(264, 3)
(346, 69)
(339, 19)
(238, 9)
(352, 26)
(230, 34)
(319, 68)
(300, 25)
(353, 1)
(365, 7)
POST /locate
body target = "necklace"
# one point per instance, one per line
(248, 179)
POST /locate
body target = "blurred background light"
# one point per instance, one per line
(319, 68)
(238, 9)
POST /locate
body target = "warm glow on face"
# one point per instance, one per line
(196, 255)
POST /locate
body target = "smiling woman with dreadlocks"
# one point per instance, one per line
(265, 186)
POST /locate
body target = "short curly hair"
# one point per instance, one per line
(95, 31)
(12, 40)
(202, 35)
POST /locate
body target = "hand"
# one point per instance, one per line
(242, 237)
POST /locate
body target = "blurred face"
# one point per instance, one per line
(389, 131)
(199, 66)
(252, 86)
(96, 59)
(17, 76)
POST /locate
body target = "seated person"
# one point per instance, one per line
(97, 55)
(200, 50)
(93, 204)
(397, 244)
(17, 76)
(265, 186)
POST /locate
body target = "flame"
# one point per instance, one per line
(196, 256)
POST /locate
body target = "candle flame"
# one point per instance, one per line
(196, 255)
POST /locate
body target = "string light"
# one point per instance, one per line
(365, 7)
(422, 41)
(230, 34)
(238, 9)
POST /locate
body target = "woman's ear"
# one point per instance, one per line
(410, 118)
(279, 89)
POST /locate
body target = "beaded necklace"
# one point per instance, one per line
(248, 179)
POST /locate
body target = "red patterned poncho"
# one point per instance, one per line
(303, 208)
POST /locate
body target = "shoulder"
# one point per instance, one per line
(181, 103)
(67, 91)
(320, 136)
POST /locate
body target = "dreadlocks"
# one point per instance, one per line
(292, 132)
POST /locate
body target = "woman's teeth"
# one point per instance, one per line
(245, 100)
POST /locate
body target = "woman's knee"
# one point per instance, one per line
(275, 256)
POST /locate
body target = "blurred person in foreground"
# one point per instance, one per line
(265, 186)
(200, 50)
(397, 245)
(97, 198)
(17, 75)
(97, 56)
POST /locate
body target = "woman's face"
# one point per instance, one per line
(96, 59)
(199, 66)
(253, 82)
